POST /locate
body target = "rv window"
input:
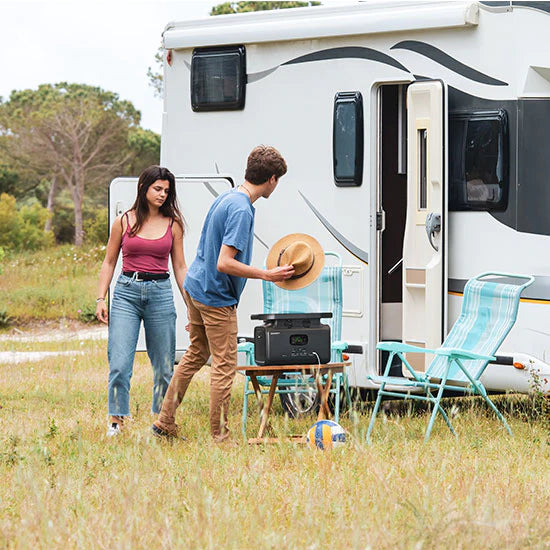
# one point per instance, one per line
(422, 169)
(347, 139)
(478, 161)
(218, 79)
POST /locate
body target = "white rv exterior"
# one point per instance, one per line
(421, 72)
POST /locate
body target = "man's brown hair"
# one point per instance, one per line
(263, 162)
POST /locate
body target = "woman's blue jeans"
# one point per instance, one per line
(153, 303)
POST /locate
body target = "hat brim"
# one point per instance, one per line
(311, 275)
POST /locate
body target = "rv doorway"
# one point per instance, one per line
(392, 199)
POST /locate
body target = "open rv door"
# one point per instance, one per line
(425, 241)
(195, 195)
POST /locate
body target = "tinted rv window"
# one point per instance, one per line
(218, 79)
(478, 162)
(347, 144)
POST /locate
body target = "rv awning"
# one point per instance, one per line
(317, 22)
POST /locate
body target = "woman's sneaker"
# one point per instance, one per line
(114, 429)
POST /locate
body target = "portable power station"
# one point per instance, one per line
(291, 339)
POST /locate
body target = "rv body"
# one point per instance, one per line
(388, 113)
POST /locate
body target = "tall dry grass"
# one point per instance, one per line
(55, 283)
(64, 485)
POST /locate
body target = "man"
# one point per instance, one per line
(212, 289)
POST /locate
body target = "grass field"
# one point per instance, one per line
(64, 485)
(54, 284)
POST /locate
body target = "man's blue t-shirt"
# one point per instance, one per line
(230, 221)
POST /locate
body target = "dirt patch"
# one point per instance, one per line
(55, 331)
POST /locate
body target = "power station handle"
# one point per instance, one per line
(433, 226)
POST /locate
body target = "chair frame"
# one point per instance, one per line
(423, 382)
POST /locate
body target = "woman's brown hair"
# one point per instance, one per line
(169, 208)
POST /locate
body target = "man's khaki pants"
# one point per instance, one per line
(213, 331)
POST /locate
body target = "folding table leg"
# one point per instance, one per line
(324, 411)
(266, 408)
(258, 391)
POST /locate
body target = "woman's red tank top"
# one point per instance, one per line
(146, 255)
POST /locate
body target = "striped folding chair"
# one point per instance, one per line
(489, 310)
(324, 294)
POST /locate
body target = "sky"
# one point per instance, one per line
(102, 43)
(106, 43)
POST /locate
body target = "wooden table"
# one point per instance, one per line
(276, 371)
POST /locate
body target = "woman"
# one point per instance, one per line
(148, 233)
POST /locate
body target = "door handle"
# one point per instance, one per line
(433, 226)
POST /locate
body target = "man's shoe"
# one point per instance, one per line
(114, 429)
(165, 434)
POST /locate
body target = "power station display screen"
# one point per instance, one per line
(298, 340)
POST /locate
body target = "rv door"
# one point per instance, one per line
(424, 245)
(195, 195)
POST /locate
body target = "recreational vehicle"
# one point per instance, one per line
(417, 137)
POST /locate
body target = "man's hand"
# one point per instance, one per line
(279, 273)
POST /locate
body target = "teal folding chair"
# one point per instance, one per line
(489, 310)
(324, 294)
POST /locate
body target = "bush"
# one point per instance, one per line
(87, 313)
(5, 319)
(23, 229)
(32, 221)
(96, 226)
(9, 222)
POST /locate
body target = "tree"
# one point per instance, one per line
(242, 7)
(155, 75)
(144, 147)
(77, 133)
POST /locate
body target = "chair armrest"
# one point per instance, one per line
(463, 354)
(246, 347)
(399, 346)
(338, 345)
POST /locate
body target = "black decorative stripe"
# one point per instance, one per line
(541, 6)
(435, 54)
(348, 52)
(254, 77)
(351, 52)
(350, 247)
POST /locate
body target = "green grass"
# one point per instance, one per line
(64, 485)
(51, 284)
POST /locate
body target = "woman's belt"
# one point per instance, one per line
(145, 276)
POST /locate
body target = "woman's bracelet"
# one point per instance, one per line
(99, 300)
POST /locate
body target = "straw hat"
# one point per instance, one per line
(304, 253)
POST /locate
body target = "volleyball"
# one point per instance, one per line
(325, 434)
